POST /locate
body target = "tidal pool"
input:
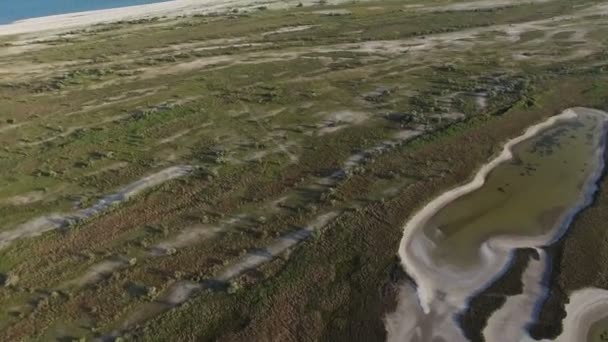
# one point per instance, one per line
(527, 195)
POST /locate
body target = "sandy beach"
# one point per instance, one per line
(65, 22)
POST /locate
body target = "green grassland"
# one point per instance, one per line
(264, 105)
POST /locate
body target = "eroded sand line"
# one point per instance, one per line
(255, 259)
(38, 226)
(183, 290)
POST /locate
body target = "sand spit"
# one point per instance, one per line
(40, 225)
(445, 290)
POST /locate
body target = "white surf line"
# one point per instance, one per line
(509, 322)
(40, 225)
(449, 289)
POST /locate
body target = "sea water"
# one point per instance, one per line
(12, 10)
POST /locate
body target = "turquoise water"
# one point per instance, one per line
(13, 10)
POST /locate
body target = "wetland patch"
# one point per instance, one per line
(526, 197)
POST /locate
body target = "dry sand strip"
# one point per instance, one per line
(256, 258)
(183, 290)
(102, 270)
(509, 322)
(192, 235)
(358, 158)
(40, 225)
(444, 292)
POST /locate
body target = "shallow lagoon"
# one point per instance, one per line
(460, 242)
(526, 196)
